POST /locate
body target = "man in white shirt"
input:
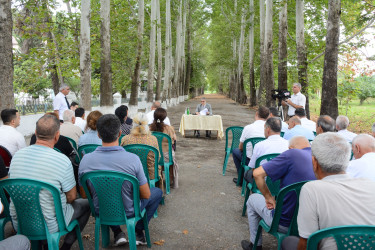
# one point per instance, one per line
(80, 118)
(150, 115)
(10, 138)
(60, 103)
(275, 113)
(256, 129)
(306, 123)
(363, 147)
(297, 100)
(68, 128)
(342, 123)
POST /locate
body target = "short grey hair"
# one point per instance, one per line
(364, 140)
(62, 87)
(342, 122)
(332, 151)
(326, 123)
(298, 84)
(68, 115)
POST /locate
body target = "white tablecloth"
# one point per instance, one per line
(201, 122)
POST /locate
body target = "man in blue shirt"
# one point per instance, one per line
(294, 165)
(295, 129)
(113, 157)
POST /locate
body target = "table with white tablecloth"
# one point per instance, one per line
(202, 122)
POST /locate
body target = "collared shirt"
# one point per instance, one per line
(284, 126)
(59, 103)
(306, 123)
(256, 129)
(11, 139)
(349, 136)
(80, 123)
(298, 99)
(299, 130)
(274, 144)
(362, 167)
(68, 129)
(150, 118)
(90, 137)
(201, 107)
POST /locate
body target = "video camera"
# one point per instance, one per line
(280, 94)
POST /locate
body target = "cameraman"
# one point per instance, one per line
(297, 100)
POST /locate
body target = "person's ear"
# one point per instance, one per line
(99, 135)
(57, 136)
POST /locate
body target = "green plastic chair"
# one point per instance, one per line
(241, 171)
(272, 229)
(85, 149)
(282, 134)
(24, 194)
(4, 221)
(160, 136)
(346, 237)
(56, 149)
(236, 134)
(273, 187)
(112, 211)
(73, 142)
(120, 138)
(314, 133)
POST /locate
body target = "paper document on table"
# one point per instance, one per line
(204, 111)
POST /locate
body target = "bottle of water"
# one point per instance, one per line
(188, 111)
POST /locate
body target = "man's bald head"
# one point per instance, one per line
(156, 105)
(363, 144)
(298, 142)
(47, 127)
(294, 121)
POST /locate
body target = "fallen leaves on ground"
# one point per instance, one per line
(185, 231)
(86, 236)
(159, 243)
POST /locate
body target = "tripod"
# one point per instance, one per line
(280, 109)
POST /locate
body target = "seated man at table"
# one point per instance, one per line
(203, 109)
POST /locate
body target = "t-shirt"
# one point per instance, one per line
(362, 167)
(256, 129)
(11, 139)
(62, 144)
(45, 164)
(292, 166)
(336, 200)
(114, 159)
(298, 130)
(306, 123)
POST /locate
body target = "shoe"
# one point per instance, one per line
(208, 135)
(235, 180)
(247, 245)
(140, 239)
(120, 239)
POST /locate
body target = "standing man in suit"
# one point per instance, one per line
(201, 107)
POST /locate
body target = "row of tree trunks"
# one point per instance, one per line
(151, 63)
(189, 52)
(168, 52)
(160, 55)
(241, 94)
(268, 47)
(251, 56)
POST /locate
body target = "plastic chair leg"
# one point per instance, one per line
(79, 237)
(53, 241)
(131, 235)
(240, 176)
(226, 157)
(244, 204)
(147, 232)
(105, 236)
(97, 233)
(2, 227)
(167, 181)
(34, 244)
(243, 190)
(259, 233)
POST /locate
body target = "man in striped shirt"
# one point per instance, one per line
(41, 162)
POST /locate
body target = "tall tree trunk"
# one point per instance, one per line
(151, 62)
(251, 56)
(6, 55)
(182, 64)
(168, 50)
(301, 52)
(160, 53)
(241, 95)
(176, 78)
(270, 83)
(329, 104)
(85, 57)
(189, 51)
(283, 47)
(262, 23)
(135, 81)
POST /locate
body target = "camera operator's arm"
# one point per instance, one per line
(290, 103)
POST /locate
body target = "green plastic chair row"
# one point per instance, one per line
(85, 149)
(236, 135)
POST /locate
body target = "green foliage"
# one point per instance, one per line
(366, 86)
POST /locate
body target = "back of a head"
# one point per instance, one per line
(365, 141)
(342, 122)
(54, 114)
(74, 104)
(79, 112)
(121, 112)
(159, 116)
(295, 120)
(326, 123)
(92, 119)
(263, 112)
(332, 152)
(300, 112)
(156, 105)
(7, 115)
(140, 124)
(299, 142)
(274, 123)
(274, 112)
(47, 127)
(68, 115)
(108, 127)
(62, 87)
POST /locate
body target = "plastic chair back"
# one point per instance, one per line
(85, 149)
(346, 237)
(161, 136)
(120, 138)
(282, 134)
(236, 135)
(73, 142)
(253, 142)
(6, 155)
(274, 187)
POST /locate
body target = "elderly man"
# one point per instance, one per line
(10, 138)
(150, 115)
(68, 128)
(297, 100)
(306, 123)
(113, 157)
(324, 124)
(203, 109)
(60, 103)
(275, 113)
(294, 165)
(256, 129)
(335, 199)
(363, 147)
(79, 114)
(342, 123)
(42, 162)
(295, 129)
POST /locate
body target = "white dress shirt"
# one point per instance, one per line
(80, 123)
(256, 129)
(150, 118)
(306, 123)
(349, 136)
(284, 126)
(59, 103)
(362, 167)
(11, 139)
(298, 99)
(274, 144)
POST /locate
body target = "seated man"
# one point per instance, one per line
(74, 106)
(295, 129)
(150, 115)
(113, 157)
(203, 109)
(68, 128)
(342, 123)
(335, 199)
(275, 113)
(42, 162)
(294, 165)
(324, 124)
(363, 147)
(306, 123)
(10, 138)
(80, 118)
(256, 129)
